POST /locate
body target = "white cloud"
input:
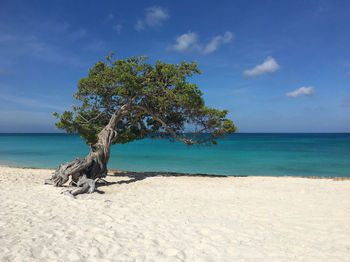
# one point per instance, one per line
(189, 41)
(185, 42)
(307, 91)
(269, 66)
(216, 41)
(155, 16)
(118, 28)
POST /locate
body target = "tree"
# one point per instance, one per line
(123, 100)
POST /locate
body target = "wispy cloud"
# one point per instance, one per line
(186, 42)
(78, 34)
(19, 45)
(302, 91)
(348, 74)
(139, 25)
(189, 42)
(55, 31)
(96, 45)
(269, 66)
(24, 102)
(155, 17)
(35, 47)
(118, 28)
(48, 43)
(217, 41)
(110, 17)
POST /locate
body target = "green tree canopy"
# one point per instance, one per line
(158, 102)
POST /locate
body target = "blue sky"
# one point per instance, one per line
(277, 66)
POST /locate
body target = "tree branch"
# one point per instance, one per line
(166, 127)
(94, 118)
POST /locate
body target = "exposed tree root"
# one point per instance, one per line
(84, 185)
(85, 171)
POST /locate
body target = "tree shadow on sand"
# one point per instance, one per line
(128, 177)
(138, 176)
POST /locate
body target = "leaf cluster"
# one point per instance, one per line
(161, 103)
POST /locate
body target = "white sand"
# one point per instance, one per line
(175, 219)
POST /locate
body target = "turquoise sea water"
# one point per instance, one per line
(325, 155)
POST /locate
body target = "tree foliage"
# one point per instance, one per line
(160, 103)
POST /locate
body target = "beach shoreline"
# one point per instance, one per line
(174, 218)
(155, 173)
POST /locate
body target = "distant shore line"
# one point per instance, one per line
(156, 173)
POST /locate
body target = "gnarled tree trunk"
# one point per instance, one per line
(94, 165)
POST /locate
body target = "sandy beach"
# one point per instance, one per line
(169, 218)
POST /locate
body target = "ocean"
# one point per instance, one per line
(241, 154)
